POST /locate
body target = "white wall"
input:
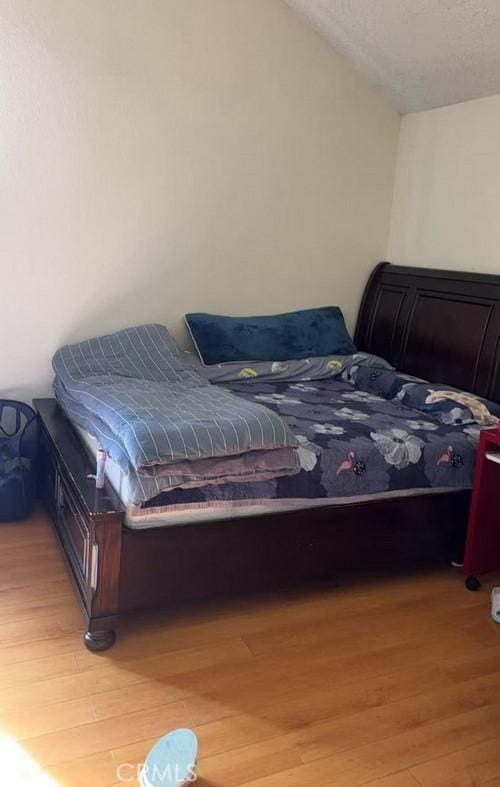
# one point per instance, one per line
(161, 156)
(446, 210)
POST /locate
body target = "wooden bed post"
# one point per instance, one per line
(103, 583)
(87, 521)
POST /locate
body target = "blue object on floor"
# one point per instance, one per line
(18, 451)
(172, 761)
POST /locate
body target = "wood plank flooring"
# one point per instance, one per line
(390, 682)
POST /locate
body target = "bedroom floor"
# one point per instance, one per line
(393, 683)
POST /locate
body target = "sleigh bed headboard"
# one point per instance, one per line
(441, 325)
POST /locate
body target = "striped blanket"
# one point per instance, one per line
(161, 421)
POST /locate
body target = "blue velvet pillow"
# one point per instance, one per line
(279, 337)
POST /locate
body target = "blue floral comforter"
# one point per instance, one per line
(371, 431)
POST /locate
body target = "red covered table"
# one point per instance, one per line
(482, 549)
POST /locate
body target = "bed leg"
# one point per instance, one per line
(97, 641)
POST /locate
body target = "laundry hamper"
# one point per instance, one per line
(18, 453)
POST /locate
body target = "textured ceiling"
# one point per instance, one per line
(421, 53)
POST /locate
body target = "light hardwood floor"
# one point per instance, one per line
(388, 683)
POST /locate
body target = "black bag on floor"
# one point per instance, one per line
(18, 452)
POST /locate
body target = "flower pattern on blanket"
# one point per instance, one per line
(308, 453)
(417, 425)
(328, 429)
(276, 397)
(361, 396)
(399, 448)
(372, 433)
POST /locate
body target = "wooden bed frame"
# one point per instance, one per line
(443, 326)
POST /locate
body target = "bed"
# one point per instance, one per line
(441, 326)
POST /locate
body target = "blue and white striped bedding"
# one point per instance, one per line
(159, 419)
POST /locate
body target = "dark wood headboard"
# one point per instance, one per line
(443, 326)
